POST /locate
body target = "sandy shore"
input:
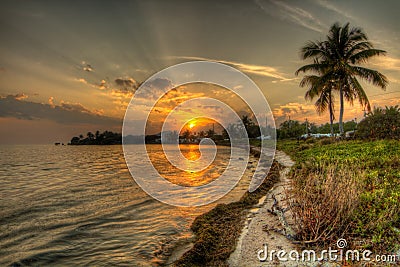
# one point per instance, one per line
(261, 226)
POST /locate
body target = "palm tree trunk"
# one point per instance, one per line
(341, 110)
(331, 114)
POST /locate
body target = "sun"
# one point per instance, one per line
(191, 125)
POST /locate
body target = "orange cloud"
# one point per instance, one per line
(20, 96)
(388, 63)
(51, 101)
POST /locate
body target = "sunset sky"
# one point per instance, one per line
(69, 67)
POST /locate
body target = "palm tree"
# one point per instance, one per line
(338, 58)
(186, 134)
(210, 133)
(90, 135)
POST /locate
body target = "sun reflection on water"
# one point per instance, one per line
(189, 177)
(192, 153)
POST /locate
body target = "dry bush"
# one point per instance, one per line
(324, 201)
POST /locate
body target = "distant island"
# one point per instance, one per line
(111, 138)
(104, 138)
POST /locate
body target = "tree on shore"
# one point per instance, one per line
(337, 61)
(252, 129)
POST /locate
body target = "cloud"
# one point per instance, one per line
(160, 84)
(79, 108)
(86, 66)
(74, 107)
(126, 85)
(291, 13)
(259, 70)
(386, 63)
(295, 110)
(82, 80)
(329, 6)
(287, 80)
(51, 101)
(20, 96)
(211, 107)
(385, 101)
(302, 111)
(126, 82)
(153, 89)
(103, 85)
(65, 113)
(121, 88)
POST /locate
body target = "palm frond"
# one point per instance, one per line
(372, 76)
(314, 67)
(324, 102)
(364, 55)
(309, 80)
(357, 34)
(313, 49)
(360, 93)
(357, 47)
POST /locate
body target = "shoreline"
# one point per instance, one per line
(233, 216)
(183, 245)
(264, 228)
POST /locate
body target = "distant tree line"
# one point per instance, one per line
(381, 123)
(104, 138)
(190, 137)
(294, 129)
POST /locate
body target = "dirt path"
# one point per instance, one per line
(261, 226)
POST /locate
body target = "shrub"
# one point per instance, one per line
(365, 188)
(381, 124)
(324, 201)
(326, 141)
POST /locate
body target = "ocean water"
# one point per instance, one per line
(79, 205)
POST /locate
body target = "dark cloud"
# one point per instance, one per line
(74, 107)
(153, 89)
(160, 83)
(127, 84)
(66, 113)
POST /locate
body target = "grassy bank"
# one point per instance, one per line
(347, 189)
(217, 231)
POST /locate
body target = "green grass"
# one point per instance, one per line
(376, 218)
